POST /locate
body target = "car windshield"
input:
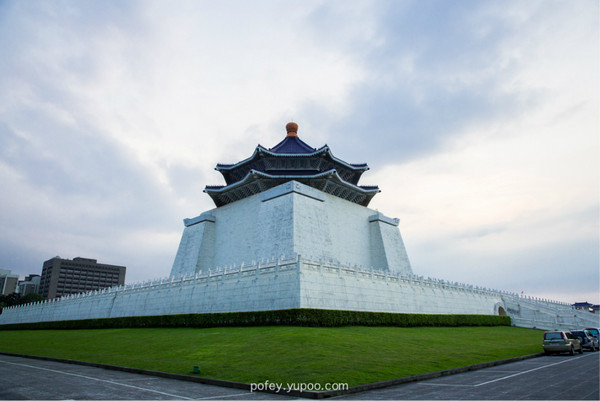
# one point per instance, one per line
(579, 333)
(593, 332)
(553, 336)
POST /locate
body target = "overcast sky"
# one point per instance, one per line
(479, 120)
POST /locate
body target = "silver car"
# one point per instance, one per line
(588, 341)
(594, 331)
(561, 341)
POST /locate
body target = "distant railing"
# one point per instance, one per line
(296, 262)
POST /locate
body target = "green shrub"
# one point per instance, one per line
(287, 317)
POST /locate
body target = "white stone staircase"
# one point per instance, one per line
(548, 315)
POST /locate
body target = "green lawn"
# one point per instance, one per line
(353, 354)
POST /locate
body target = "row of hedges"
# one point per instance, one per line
(287, 317)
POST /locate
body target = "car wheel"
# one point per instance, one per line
(572, 351)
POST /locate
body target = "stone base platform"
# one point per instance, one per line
(294, 282)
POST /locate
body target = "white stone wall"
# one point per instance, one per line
(337, 230)
(245, 231)
(546, 314)
(326, 286)
(265, 286)
(196, 248)
(290, 219)
(302, 283)
(387, 247)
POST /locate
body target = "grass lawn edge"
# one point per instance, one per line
(290, 355)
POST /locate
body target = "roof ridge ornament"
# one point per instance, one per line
(292, 129)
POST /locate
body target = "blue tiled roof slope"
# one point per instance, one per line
(292, 145)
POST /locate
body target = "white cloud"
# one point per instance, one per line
(177, 93)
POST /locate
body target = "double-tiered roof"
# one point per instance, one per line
(291, 159)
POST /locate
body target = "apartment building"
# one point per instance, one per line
(64, 276)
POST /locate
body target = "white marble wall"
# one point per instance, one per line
(292, 218)
(302, 283)
(387, 247)
(547, 315)
(345, 288)
(265, 286)
(196, 248)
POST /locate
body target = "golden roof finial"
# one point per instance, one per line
(292, 129)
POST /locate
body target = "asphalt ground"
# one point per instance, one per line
(33, 379)
(556, 377)
(560, 377)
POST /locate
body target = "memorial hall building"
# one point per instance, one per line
(291, 229)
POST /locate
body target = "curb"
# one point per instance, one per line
(304, 394)
(203, 380)
(415, 378)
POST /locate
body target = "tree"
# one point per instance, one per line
(17, 299)
(31, 297)
(12, 299)
(9, 300)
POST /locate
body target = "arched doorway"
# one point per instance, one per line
(501, 311)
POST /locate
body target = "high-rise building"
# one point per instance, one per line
(8, 282)
(31, 284)
(64, 276)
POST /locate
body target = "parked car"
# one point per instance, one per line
(595, 336)
(595, 331)
(561, 341)
(587, 340)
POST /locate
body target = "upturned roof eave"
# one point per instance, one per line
(261, 149)
(333, 173)
(221, 167)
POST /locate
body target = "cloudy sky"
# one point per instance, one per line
(479, 120)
